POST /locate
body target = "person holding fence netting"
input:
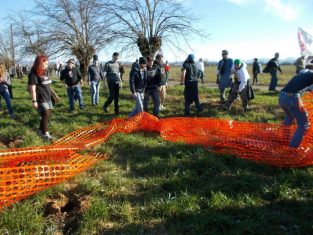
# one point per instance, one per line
(290, 101)
(240, 86)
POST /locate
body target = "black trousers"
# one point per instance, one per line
(114, 92)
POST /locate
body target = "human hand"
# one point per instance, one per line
(35, 105)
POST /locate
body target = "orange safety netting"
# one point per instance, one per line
(26, 171)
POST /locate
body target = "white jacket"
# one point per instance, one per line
(242, 75)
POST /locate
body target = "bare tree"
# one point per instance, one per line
(66, 27)
(150, 23)
(5, 50)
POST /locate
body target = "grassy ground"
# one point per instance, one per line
(150, 186)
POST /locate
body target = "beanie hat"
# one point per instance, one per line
(237, 62)
(142, 60)
(95, 57)
(191, 57)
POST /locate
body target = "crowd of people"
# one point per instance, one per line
(148, 78)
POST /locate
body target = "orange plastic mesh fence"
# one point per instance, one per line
(26, 171)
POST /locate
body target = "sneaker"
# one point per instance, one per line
(13, 116)
(105, 109)
(47, 136)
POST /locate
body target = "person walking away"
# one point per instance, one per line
(300, 64)
(39, 86)
(224, 78)
(137, 83)
(158, 63)
(4, 89)
(290, 101)
(189, 76)
(272, 67)
(200, 70)
(167, 68)
(256, 69)
(94, 77)
(111, 72)
(240, 86)
(152, 89)
(72, 78)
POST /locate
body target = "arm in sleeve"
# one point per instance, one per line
(132, 75)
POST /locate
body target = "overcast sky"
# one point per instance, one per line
(247, 28)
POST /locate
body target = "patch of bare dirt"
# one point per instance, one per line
(66, 209)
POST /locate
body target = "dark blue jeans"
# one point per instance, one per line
(155, 95)
(71, 93)
(274, 80)
(294, 110)
(4, 92)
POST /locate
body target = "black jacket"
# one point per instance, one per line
(71, 76)
(137, 81)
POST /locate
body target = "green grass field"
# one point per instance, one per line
(150, 186)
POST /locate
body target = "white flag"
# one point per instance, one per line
(305, 43)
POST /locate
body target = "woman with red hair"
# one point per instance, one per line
(41, 93)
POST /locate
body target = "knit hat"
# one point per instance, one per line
(191, 57)
(142, 60)
(237, 62)
(95, 57)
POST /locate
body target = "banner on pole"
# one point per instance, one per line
(305, 43)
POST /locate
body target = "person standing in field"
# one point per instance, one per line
(167, 68)
(290, 101)
(112, 73)
(300, 64)
(240, 86)
(272, 67)
(94, 77)
(73, 79)
(4, 89)
(137, 84)
(122, 71)
(189, 76)
(152, 89)
(39, 86)
(224, 78)
(256, 69)
(200, 74)
(158, 63)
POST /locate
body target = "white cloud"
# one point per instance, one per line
(282, 9)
